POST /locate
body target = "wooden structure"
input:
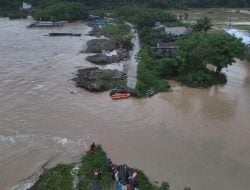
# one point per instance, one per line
(176, 32)
(167, 49)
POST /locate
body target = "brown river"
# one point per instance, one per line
(189, 137)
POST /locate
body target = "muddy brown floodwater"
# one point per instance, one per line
(194, 137)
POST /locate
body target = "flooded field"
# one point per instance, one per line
(221, 18)
(189, 137)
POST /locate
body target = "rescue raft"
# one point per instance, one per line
(118, 96)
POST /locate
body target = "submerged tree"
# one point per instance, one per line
(217, 49)
(202, 25)
(198, 50)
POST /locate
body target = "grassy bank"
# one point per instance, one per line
(61, 176)
(57, 178)
(151, 73)
(13, 14)
(92, 163)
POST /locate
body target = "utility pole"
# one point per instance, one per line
(230, 22)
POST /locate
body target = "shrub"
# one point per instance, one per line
(90, 164)
(57, 178)
(120, 33)
(149, 74)
(202, 79)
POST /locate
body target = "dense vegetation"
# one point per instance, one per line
(57, 178)
(198, 50)
(11, 9)
(120, 32)
(61, 176)
(144, 19)
(193, 55)
(151, 72)
(62, 11)
(92, 163)
(7, 6)
(247, 54)
(109, 4)
(202, 25)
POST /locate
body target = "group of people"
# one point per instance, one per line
(123, 176)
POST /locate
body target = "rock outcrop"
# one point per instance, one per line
(97, 80)
(103, 59)
(99, 45)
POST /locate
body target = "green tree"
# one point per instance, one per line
(149, 74)
(219, 50)
(165, 186)
(63, 11)
(202, 25)
(198, 50)
(120, 33)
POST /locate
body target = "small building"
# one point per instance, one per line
(26, 6)
(176, 32)
(159, 27)
(165, 49)
(94, 18)
(240, 35)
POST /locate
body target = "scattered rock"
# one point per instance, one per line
(97, 80)
(123, 89)
(95, 30)
(150, 92)
(100, 59)
(99, 45)
(103, 59)
(64, 34)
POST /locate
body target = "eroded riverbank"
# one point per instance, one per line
(193, 137)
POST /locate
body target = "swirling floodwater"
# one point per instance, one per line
(189, 137)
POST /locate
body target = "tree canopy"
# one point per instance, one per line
(62, 11)
(202, 25)
(110, 4)
(198, 50)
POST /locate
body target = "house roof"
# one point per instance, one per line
(166, 45)
(159, 27)
(240, 34)
(177, 31)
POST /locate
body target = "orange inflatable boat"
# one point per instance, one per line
(118, 96)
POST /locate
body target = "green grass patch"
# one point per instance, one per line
(151, 73)
(202, 79)
(106, 82)
(57, 178)
(90, 164)
(110, 84)
(145, 184)
(60, 177)
(120, 32)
